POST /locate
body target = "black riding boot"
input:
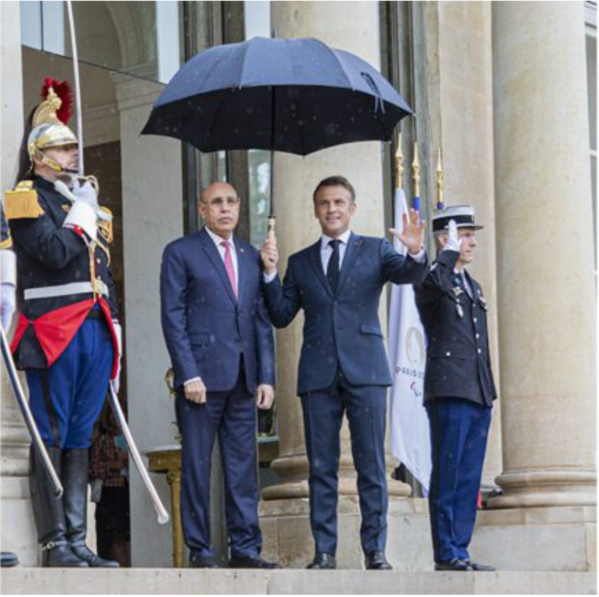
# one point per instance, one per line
(74, 478)
(48, 511)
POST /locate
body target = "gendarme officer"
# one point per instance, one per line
(66, 338)
(458, 386)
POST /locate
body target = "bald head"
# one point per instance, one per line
(217, 189)
(219, 208)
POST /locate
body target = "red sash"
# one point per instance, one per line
(55, 330)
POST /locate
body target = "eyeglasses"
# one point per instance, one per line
(222, 201)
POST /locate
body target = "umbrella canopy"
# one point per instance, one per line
(290, 95)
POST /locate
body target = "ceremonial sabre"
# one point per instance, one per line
(38, 444)
(77, 86)
(163, 516)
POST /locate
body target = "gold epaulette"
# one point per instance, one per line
(22, 202)
(7, 243)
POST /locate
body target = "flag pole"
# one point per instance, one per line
(440, 203)
(398, 165)
(416, 178)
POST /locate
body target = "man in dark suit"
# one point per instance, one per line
(221, 346)
(458, 386)
(343, 365)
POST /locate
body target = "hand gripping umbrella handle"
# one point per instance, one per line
(163, 516)
(36, 439)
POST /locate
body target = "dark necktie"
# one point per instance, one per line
(333, 266)
(460, 280)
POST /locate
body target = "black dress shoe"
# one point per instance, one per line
(83, 552)
(61, 556)
(202, 562)
(376, 560)
(455, 565)
(9, 559)
(480, 567)
(323, 561)
(248, 562)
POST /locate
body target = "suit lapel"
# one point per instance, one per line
(354, 244)
(212, 252)
(317, 265)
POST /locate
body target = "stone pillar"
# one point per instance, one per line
(18, 530)
(152, 217)
(295, 178)
(454, 95)
(544, 254)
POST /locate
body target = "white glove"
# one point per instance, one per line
(85, 192)
(454, 242)
(8, 304)
(116, 382)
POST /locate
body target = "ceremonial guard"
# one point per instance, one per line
(67, 337)
(458, 386)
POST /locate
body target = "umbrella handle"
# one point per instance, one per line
(271, 227)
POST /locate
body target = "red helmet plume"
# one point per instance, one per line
(63, 91)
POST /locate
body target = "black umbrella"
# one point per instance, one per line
(290, 95)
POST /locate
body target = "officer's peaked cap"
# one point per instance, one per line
(462, 215)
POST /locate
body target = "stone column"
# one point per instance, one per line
(152, 217)
(545, 285)
(355, 30)
(454, 96)
(18, 530)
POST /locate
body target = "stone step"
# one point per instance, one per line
(160, 581)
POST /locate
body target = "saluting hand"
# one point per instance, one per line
(270, 255)
(412, 235)
(265, 395)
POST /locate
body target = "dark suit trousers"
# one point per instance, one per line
(459, 430)
(231, 415)
(323, 414)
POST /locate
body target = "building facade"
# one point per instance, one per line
(505, 91)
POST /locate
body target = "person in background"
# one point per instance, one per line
(109, 470)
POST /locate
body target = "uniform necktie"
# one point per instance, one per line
(229, 265)
(460, 280)
(465, 284)
(333, 265)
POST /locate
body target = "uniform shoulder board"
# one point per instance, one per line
(22, 202)
(7, 243)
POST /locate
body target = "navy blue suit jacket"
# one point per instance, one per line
(206, 329)
(343, 327)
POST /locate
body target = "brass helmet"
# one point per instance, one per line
(50, 123)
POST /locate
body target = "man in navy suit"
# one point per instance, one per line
(221, 346)
(343, 366)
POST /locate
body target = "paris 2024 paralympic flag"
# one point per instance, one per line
(410, 435)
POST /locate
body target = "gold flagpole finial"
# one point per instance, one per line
(440, 182)
(398, 164)
(416, 169)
